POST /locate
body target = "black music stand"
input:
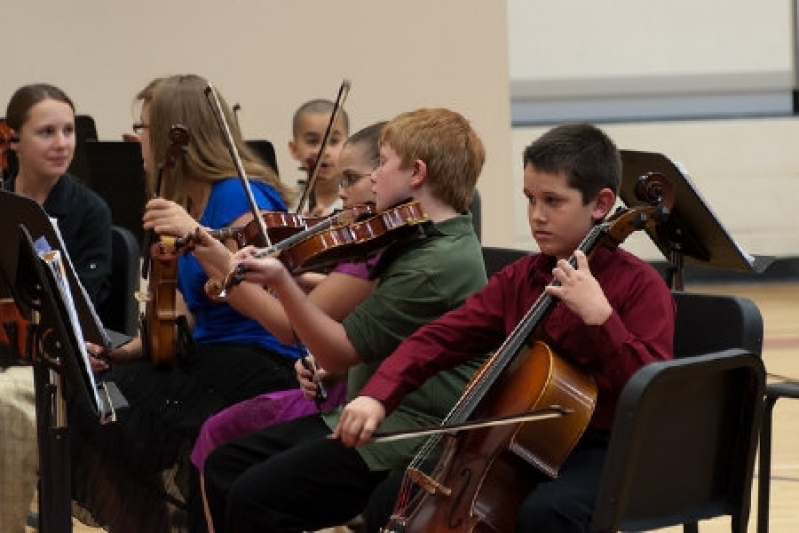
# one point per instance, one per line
(691, 234)
(60, 371)
(15, 209)
(61, 374)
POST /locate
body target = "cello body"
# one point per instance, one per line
(487, 471)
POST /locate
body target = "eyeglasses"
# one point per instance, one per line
(348, 179)
(139, 126)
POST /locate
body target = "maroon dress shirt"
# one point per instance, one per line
(640, 329)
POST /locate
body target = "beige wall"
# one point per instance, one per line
(586, 48)
(747, 171)
(272, 55)
(661, 54)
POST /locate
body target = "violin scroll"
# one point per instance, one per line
(6, 137)
(14, 330)
(178, 145)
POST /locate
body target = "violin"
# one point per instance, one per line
(159, 324)
(280, 226)
(15, 327)
(357, 241)
(481, 476)
(315, 250)
(6, 135)
(213, 101)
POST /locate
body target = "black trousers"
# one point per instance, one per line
(561, 505)
(286, 478)
(565, 504)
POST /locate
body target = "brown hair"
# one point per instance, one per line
(28, 96)
(583, 153)
(181, 100)
(448, 145)
(369, 138)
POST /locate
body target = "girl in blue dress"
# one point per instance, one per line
(134, 473)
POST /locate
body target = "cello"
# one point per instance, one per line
(482, 476)
(158, 324)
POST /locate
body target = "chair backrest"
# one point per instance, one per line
(683, 444)
(120, 312)
(115, 172)
(712, 322)
(477, 215)
(85, 131)
(496, 258)
(266, 151)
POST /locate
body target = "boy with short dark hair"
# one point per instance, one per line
(308, 126)
(612, 318)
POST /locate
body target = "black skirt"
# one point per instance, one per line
(134, 475)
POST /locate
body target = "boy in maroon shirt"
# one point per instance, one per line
(612, 318)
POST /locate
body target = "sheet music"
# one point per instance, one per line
(68, 262)
(679, 166)
(52, 259)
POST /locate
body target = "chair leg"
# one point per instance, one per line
(764, 468)
(692, 527)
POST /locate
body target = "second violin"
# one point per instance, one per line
(358, 240)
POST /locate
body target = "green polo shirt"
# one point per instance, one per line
(424, 280)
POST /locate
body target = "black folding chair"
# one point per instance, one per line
(683, 444)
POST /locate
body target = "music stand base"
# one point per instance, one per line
(55, 500)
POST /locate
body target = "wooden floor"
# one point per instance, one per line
(779, 304)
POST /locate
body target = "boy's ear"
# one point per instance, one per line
(419, 171)
(293, 149)
(605, 200)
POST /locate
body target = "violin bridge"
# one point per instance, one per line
(428, 484)
(142, 296)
